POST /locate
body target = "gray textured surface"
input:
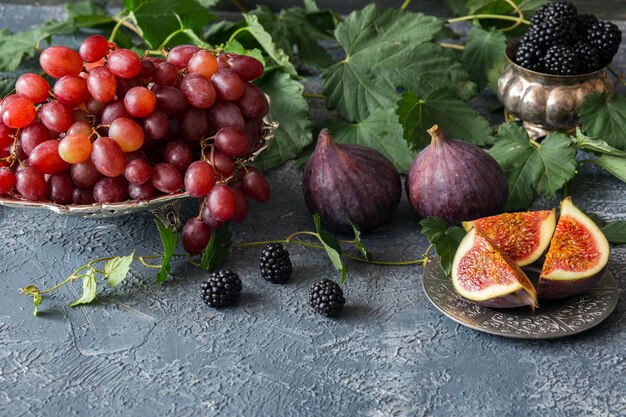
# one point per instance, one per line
(149, 350)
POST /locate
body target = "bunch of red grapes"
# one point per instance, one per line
(119, 127)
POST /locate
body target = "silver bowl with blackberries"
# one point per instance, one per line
(561, 59)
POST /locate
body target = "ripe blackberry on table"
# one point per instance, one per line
(221, 289)
(553, 32)
(588, 57)
(561, 60)
(558, 10)
(275, 264)
(606, 37)
(326, 298)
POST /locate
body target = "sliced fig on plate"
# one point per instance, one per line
(484, 274)
(523, 236)
(577, 257)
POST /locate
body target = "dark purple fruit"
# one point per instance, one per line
(455, 180)
(350, 183)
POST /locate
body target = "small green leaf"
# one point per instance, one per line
(604, 118)
(116, 269)
(503, 7)
(37, 298)
(530, 169)
(168, 239)
(218, 248)
(89, 289)
(332, 247)
(484, 51)
(445, 239)
(616, 165)
(359, 243)
(291, 110)
(615, 232)
(455, 117)
(597, 146)
(597, 219)
(86, 14)
(381, 131)
(265, 40)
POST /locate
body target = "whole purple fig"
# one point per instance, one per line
(455, 180)
(350, 183)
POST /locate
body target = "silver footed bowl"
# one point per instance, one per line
(130, 206)
(544, 102)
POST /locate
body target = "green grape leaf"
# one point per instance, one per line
(291, 110)
(615, 232)
(332, 247)
(604, 118)
(532, 169)
(457, 7)
(158, 19)
(455, 117)
(218, 249)
(89, 289)
(116, 269)
(292, 30)
(237, 48)
(168, 239)
(616, 165)
(86, 14)
(267, 43)
(359, 243)
(381, 131)
(484, 52)
(386, 50)
(502, 6)
(6, 86)
(597, 146)
(445, 239)
(20, 45)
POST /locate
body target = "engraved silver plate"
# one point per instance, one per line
(555, 318)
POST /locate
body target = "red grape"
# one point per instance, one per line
(60, 188)
(5, 135)
(31, 184)
(181, 54)
(198, 91)
(75, 148)
(169, 99)
(228, 84)
(166, 178)
(247, 67)
(155, 126)
(110, 190)
(225, 114)
(178, 154)
(147, 70)
(127, 133)
(253, 103)
(102, 84)
(193, 124)
(124, 63)
(83, 196)
(59, 61)
(85, 174)
(196, 235)
(139, 101)
(143, 191)
(138, 171)
(80, 115)
(165, 73)
(125, 84)
(115, 110)
(107, 156)
(221, 202)
(18, 112)
(84, 128)
(7, 180)
(203, 63)
(46, 159)
(231, 142)
(199, 179)
(223, 165)
(33, 87)
(209, 219)
(71, 90)
(94, 48)
(256, 187)
(94, 106)
(55, 116)
(253, 131)
(241, 206)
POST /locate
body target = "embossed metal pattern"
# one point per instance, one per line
(125, 207)
(546, 102)
(552, 319)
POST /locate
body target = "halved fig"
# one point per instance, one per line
(524, 236)
(484, 274)
(577, 258)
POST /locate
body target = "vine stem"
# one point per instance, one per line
(238, 5)
(520, 16)
(314, 95)
(237, 32)
(488, 16)
(452, 46)
(170, 37)
(123, 22)
(405, 4)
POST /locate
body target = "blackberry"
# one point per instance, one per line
(588, 57)
(561, 60)
(275, 263)
(326, 298)
(221, 289)
(606, 37)
(553, 32)
(528, 54)
(586, 21)
(555, 11)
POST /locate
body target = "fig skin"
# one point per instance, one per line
(552, 289)
(456, 181)
(350, 183)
